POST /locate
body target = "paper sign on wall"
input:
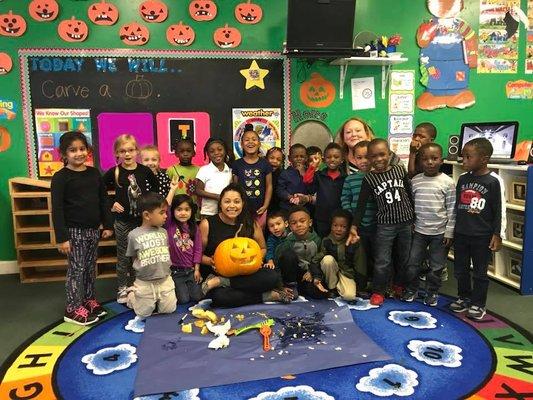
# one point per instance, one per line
(401, 103)
(363, 93)
(399, 124)
(266, 122)
(402, 81)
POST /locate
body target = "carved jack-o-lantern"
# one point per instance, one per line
(5, 139)
(317, 92)
(73, 30)
(237, 256)
(134, 34)
(180, 35)
(227, 37)
(202, 10)
(153, 11)
(248, 13)
(43, 10)
(5, 63)
(12, 24)
(103, 13)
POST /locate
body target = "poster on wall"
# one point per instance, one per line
(401, 111)
(266, 122)
(529, 39)
(50, 124)
(363, 93)
(498, 37)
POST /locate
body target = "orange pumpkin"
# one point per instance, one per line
(5, 139)
(317, 92)
(227, 37)
(153, 11)
(134, 34)
(103, 13)
(5, 63)
(237, 256)
(248, 13)
(12, 24)
(73, 30)
(202, 10)
(43, 10)
(180, 35)
(522, 150)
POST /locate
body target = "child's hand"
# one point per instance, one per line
(307, 277)
(414, 146)
(314, 161)
(64, 248)
(495, 243)
(447, 242)
(174, 183)
(269, 264)
(197, 275)
(353, 237)
(294, 199)
(261, 210)
(117, 207)
(319, 286)
(107, 233)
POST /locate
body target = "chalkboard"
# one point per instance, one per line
(153, 82)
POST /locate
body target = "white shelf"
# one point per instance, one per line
(510, 167)
(512, 245)
(384, 62)
(504, 279)
(516, 207)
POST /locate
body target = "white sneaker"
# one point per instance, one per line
(122, 295)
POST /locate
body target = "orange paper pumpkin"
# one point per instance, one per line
(180, 35)
(134, 34)
(153, 11)
(103, 13)
(203, 10)
(248, 13)
(227, 37)
(73, 30)
(237, 256)
(5, 63)
(43, 10)
(317, 92)
(5, 139)
(12, 24)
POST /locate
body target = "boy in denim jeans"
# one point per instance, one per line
(434, 197)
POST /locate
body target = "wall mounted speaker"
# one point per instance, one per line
(453, 148)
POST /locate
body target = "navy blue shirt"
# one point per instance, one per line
(252, 177)
(289, 182)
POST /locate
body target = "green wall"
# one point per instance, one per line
(380, 16)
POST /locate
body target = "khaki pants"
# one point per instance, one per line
(146, 294)
(336, 280)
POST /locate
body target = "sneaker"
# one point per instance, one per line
(431, 299)
(80, 316)
(460, 305)
(95, 308)
(122, 295)
(397, 290)
(377, 299)
(444, 274)
(409, 296)
(476, 312)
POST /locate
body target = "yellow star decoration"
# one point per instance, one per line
(254, 76)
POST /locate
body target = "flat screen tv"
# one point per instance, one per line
(502, 136)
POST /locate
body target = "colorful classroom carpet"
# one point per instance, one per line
(435, 354)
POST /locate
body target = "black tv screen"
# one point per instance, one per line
(320, 24)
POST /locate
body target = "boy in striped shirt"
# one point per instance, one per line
(434, 197)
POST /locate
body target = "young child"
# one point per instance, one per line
(425, 132)
(148, 246)
(349, 197)
(79, 206)
(315, 163)
(184, 171)
(213, 177)
(151, 158)
(277, 225)
(479, 227)
(434, 198)
(342, 268)
(185, 245)
(294, 255)
(275, 158)
(129, 180)
(327, 188)
(390, 187)
(254, 174)
(291, 188)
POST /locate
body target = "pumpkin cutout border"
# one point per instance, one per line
(203, 10)
(73, 30)
(6, 63)
(43, 10)
(134, 34)
(180, 34)
(15, 25)
(153, 11)
(317, 91)
(227, 37)
(248, 13)
(237, 256)
(99, 15)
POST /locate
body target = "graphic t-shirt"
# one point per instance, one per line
(149, 248)
(185, 251)
(252, 177)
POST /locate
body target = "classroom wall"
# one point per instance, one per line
(380, 16)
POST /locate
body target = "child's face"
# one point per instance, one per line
(333, 159)
(361, 159)
(298, 157)
(216, 153)
(421, 137)
(156, 217)
(277, 226)
(339, 228)
(275, 159)
(379, 156)
(300, 223)
(76, 154)
(185, 152)
(431, 160)
(150, 158)
(183, 212)
(472, 160)
(127, 153)
(315, 160)
(354, 132)
(250, 143)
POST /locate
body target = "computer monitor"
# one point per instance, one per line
(502, 136)
(319, 25)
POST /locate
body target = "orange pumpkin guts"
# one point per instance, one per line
(43, 10)
(73, 30)
(317, 92)
(237, 256)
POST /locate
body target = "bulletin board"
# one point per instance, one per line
(154, 92)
